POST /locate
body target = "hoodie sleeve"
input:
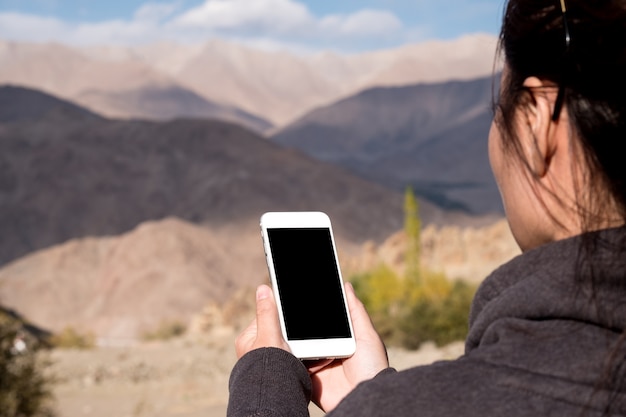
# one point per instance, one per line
(269, 382)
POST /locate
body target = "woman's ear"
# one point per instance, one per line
(537, 141)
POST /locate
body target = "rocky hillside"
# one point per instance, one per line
(173, 271)
(465, 253)
(75, 186)
(122, 287)
(68, 176)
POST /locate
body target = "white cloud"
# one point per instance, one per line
(156, 12)
(286, 18)
(266, 16)
(275, 21)
(115, 32)
(364, 23)
(31, 28)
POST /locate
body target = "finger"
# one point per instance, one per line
(246, 338)
(317, 365)
(268, 326)
(360, 319)
(364, 332)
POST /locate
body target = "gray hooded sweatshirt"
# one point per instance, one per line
(545, 339)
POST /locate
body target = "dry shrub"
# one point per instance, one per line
(409, 311)
(25, 386)
(166, 330)
(70, 338)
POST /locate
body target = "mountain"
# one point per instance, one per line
(277, 86)
(166, 103)
(25, 105)
(66, 72)
(121, 287)
(119, 225)
(432, 137)
(282, 86)
(124, 286)
(466, 58)
(124, 87)
(74, 177)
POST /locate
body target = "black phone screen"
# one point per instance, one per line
(308, 283)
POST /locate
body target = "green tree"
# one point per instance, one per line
(419, 305)
(412, 229)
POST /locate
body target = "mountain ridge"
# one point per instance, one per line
(163, 103)
(100, 177)
(432, 137)
(18, 104)
(277, 86)
(113, 226)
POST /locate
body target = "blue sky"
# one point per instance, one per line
(343, 25)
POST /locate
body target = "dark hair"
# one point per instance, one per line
(592, 71)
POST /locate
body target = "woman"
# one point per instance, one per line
(547, 330)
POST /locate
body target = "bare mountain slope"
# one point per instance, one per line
(18, 104)
(432, 137)
(94, 177)
(282, 86)
(68, 185)
(278, 86)
(126, 87)
(166, 103)
(66, 72)
(465, 58)
(120, 287)
(124, 286)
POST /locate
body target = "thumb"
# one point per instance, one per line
(266, 310)
(268, 326)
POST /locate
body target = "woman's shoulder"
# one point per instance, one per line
(467, 387)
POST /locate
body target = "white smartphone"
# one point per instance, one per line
(306, 279)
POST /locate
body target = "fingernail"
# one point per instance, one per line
(262, 292)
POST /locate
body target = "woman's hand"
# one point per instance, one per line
(333, 380)
(264, 331)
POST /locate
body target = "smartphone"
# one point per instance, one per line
(308, 288)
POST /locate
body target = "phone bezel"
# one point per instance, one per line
(309, 348)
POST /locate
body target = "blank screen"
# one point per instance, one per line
(308, 283)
